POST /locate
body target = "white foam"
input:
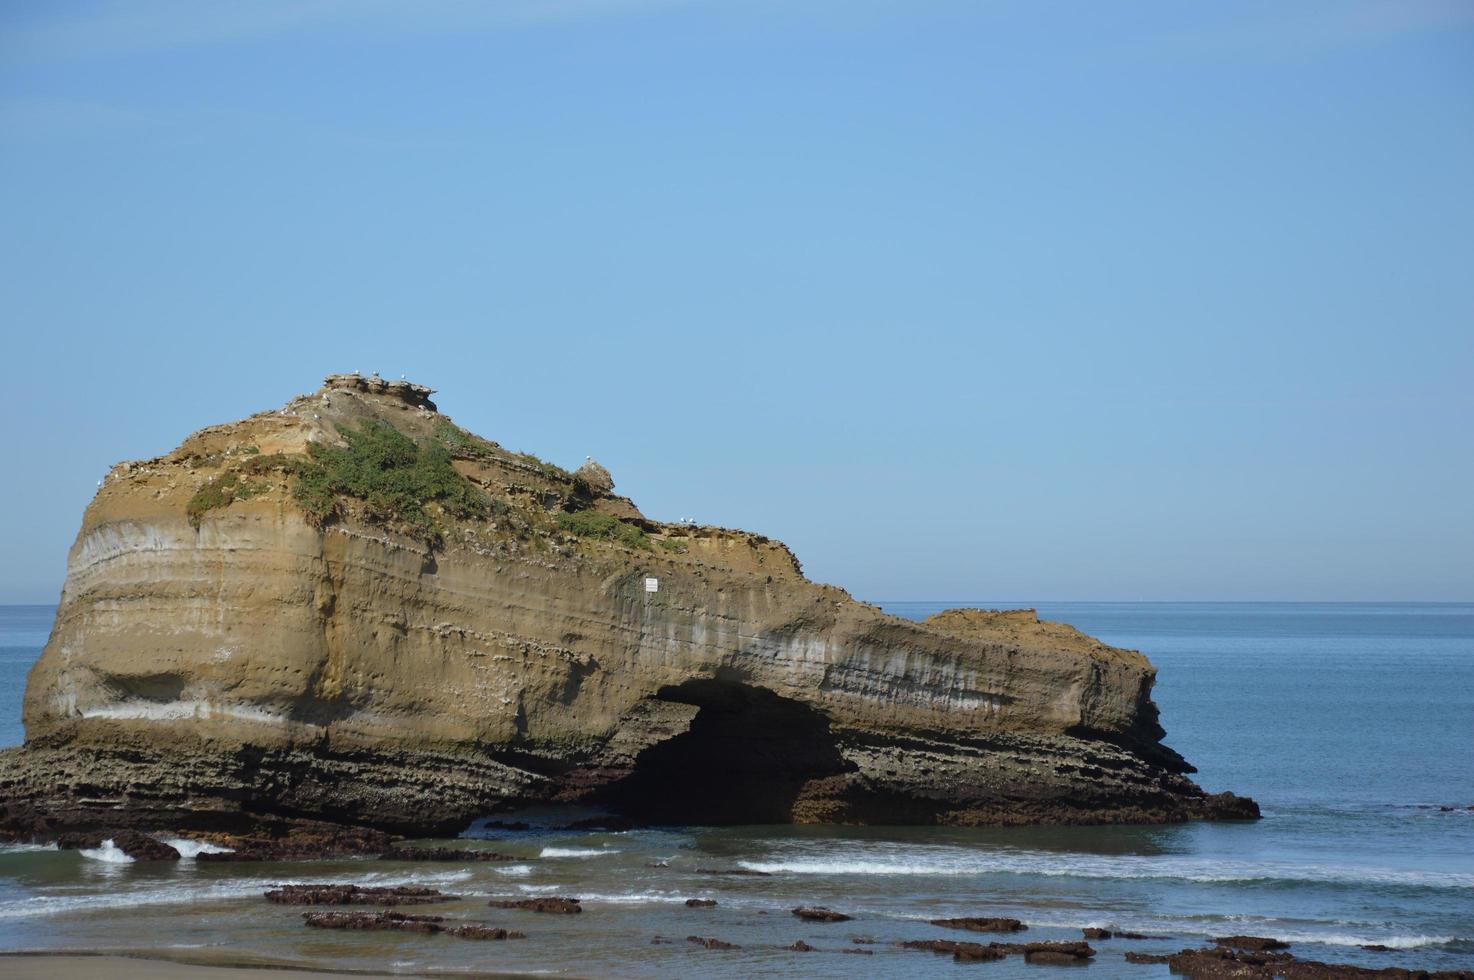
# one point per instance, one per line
(191, 891)
(652, 897)
(952, 861)
(514, 870)
(575, 852)
(108, 852)
(190, 849)
(1338, 939)
(25, 848)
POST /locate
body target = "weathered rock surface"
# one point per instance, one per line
(356, 895)
(1056, 953)
(236, 643)
(443, 854)
(140, 847)
(398, 921)
(711, 943)
(817, 913)
(1231, 964)
(554, 905)
(296, 840)
(983, 924)
(1257, 944)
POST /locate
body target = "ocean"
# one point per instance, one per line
(1351, 724)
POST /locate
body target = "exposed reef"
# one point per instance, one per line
(351, 611)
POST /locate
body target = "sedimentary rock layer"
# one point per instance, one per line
(247, 633)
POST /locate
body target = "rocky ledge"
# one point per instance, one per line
(350, 610)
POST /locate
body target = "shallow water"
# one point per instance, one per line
(1350, 723)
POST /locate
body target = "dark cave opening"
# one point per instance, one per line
(745, 759)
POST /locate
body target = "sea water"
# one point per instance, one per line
(1352, 724)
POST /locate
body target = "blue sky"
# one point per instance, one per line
(962, 300)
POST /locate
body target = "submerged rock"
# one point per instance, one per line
(474, 931)
(1039, 952)
(350, 610)
(701, 903)
(398, 921)
(711, 943)
(820, 914)
(403, 922)
(443, 854)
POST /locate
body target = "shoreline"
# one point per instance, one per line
(166, 964)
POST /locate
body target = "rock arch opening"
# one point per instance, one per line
(746, 758)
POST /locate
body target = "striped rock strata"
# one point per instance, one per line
(222, 655)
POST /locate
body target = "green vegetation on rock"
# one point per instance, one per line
(463, 443)
(394, 477)
(221, 493)
(592, 524)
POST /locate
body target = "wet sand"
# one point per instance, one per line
(46, 966)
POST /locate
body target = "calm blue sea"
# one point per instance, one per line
(23, 632)
(1352, 724)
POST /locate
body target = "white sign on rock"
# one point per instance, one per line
(652, 585)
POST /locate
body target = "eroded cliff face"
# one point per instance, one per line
(230, 647)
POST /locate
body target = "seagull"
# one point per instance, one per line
(99, 483)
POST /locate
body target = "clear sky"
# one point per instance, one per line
(962, 300)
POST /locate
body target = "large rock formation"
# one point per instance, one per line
(351, 609)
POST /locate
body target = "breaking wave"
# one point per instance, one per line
(1393, 942)
(25, 848)
(189, 892)
(575, 852)
(189, 849)
(108, 852)
(956, 861)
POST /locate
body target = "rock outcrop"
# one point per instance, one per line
(351, 610)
